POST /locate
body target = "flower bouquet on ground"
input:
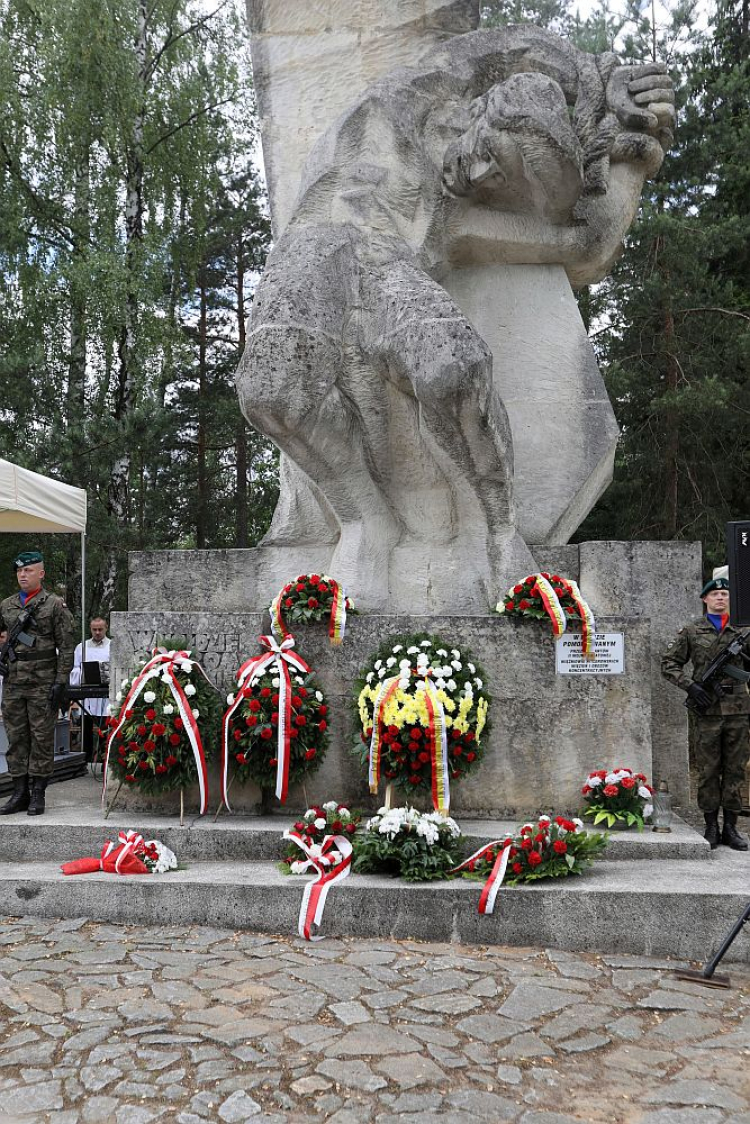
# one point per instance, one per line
(619, 796)
(417, 846)
(167, 727)
(318, 824)
(276, 726)
(549, 848)
(422, 707)
(130, 854)
(311, 597)
(542, 596)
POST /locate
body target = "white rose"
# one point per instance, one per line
(320, 823)
(168, 709)
(149, 697)
(189, 690)
(230, 701)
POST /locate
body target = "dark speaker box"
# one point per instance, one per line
(738, 557)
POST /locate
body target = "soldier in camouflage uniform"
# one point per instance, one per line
(722, 744)
(35, 686)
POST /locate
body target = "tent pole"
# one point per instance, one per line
(83, 598)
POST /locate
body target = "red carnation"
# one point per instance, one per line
(534, 858)
(299, 826)
(416, 733)
(296, 702)
(288, 602)
(310, 753)
(517, 868)
(149, 746)
(274, 700)
(524, 604)
(315, 578)
(300, 720)
(170, 761)
(456, 751)
(161, 769)
(238, 735)
(628, 782)
(322, 725)
(526, 844)
(508, 605)
(265, 692)
(540, 837)
(424, 757)
(240, 757)
(151, 714)
(266, 732)
(471, 756)
(293, 733)
(158, 730)
(274, 719)
(143, 765)
(312, 602)
(178, 724)
(131, 745)
(322, 588)
(559, 847)
(350, 828)
(300, 587)
(323, 710)
(413, 779)
(254, 706)
(455, 734)
(273, 760)
(518, 589)
(174, 739)
(251, 720)
(128, 714)
(129, 778)
(611, 790)
(585, 790)
(141, 731)
(337, 826)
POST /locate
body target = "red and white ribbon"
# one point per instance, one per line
(497, 874)
(316, 892)
(163, 663)
(278, 658)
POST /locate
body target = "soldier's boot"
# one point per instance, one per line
(730, 836)
(19, 800)
(712, 829)
(36, 804)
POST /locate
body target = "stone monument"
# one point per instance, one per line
(414, 347)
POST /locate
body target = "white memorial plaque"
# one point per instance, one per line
(609, 655)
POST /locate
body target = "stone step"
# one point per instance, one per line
(70, 831)
(670, 908)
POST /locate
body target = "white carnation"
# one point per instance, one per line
(390, 661)
(479, 684)
(425, 643)
(593, 782)
(381, 673)
(320, 823)
(343, 811)
(456, 665)
(377, 664)
(412, 651)
(442, 653)
(319, 696)
(472, 669)
(196, 714)
(148, 697)
(455, 653)
(644, 792)
(309, 814)
(186, 666)
(230, 701)
(275, 682)
(124, 683)
(189, 690)
(369, 677)
(579, 825)
(298, 867)
(403, 684)
(398, 648)
(330, 806)
(451, 684)
(169, 709)
(647, 810)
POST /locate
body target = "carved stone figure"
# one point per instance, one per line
(502, 150)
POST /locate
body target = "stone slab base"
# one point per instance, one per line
(670, 908)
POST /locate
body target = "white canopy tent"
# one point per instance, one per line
(35, 504)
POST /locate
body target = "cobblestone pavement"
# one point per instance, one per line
(133, 1024)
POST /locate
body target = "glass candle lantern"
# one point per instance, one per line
(661, 817)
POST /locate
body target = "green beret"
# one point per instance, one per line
(715, 583)
(28, 558)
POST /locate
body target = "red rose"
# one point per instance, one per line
(143, 765)
(628, 782)
(266, 732)
(315, 578)
(149, 746)
(274, 700)
(455, 734)
(337, 826)
(518, 589)
(240, 757)
(170, 761)
(130, 778)
(251, 720)
(174, 739)
(296, 702)
(158, 730)
(526, 844)
(456, 751)
(322, 725)
(237, 735)
(310, 753)
(293, 733)
(416, 733)
(300, 587)
(299, 826)
(534, 858)
(414, 766)
(322, 588)
(508, 605)
(312, 602)
(254, 706)
(287, 588)
(128, 714)
(611, 790)
(141, 731)
(471, 756)
(119, 736)
(524, 604)
(131, 745)
(178, 724)
(585, 790)
(323, 710)
(288, 602)
(300, 720)
(540, 837)
(274, 719)
(265, 692)
(518, 868)
(469, 736)
(273, 760)
(424, 757)
(151, 714)
(559, 847)
(161, 769)
(413, 779)
(350, 828)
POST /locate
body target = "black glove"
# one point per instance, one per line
(58, 695)
(701, 696)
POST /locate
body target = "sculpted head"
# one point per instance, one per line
(520, 152)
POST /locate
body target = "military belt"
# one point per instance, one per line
(35, 654)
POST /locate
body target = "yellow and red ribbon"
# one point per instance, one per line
(336, 620)
(316, 892)
(437, 740)
(279, 658)
(588, 624)
(163, 662)
(552, 604)
(497, 874)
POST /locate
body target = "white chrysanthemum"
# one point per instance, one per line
(196, 714)
(644, 792)
(230, 702)
(148, 696)
(369, 677)
(451, 684)
(428, 831)
(403, 684)
(479, 684)
(425, 643)
(412, 651)
(397, 649)
(169, 709)
(189, 690)
(320, 823)
(377, 664)
(390, 662)
(456, 665)
(593, 782)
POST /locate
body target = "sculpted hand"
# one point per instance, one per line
(642, 97)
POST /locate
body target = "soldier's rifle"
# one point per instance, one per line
(17, 634)
(720, 666)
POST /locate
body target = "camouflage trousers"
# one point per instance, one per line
(722, 748)
(30, 726)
